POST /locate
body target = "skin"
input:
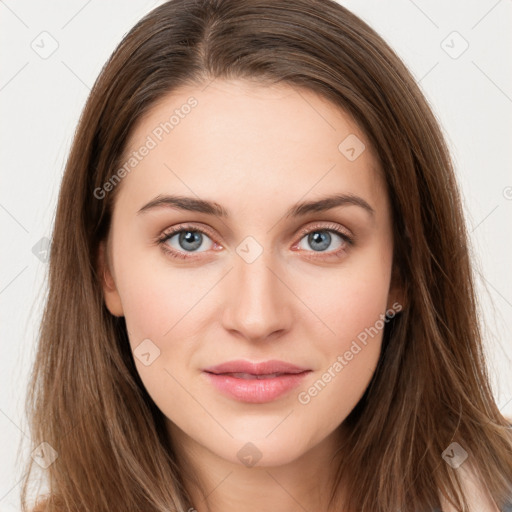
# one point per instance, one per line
(256, 150)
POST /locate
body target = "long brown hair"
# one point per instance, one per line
(431, 386)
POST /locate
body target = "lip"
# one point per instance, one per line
(255, 382)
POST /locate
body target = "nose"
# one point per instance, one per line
(258, 304)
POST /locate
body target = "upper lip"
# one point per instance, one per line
(255, 368)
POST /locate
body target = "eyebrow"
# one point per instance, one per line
(212, 208)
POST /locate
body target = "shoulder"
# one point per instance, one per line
(475, 492)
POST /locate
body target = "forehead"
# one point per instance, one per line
(238, 142)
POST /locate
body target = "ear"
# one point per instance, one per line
(110, 293)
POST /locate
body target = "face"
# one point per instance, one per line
(251, 264)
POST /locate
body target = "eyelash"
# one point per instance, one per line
(331, 228)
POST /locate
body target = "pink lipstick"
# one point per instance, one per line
(255, 382)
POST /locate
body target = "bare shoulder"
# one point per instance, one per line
(475, 491)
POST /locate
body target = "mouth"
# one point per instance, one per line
(250, 382)
(250, 376)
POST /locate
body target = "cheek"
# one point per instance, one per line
(349, 359)
(168, 307)
(157, 298)
(159, 307)
(352, 304)
(348, 300)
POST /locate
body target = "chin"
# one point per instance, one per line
(260, 451)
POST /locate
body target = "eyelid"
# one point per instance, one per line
(167, 233)
(331, 226)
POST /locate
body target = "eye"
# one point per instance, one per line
(331, 239)
(181, 240)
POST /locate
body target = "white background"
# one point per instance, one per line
(41, 99)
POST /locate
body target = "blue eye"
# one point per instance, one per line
(320, 240)
(187, 240)
(316, 240)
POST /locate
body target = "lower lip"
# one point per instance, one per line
(256, 391)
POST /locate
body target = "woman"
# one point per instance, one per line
(260, 294)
